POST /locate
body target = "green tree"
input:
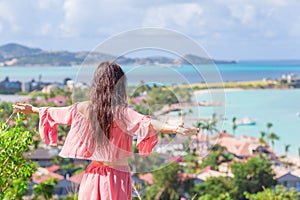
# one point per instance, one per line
(208, 127)
(262, 134)
(45, 189)
(191, 161)
(5, 110)
(216, 156)
(299, 153)
(280, 193)
(211, 160)
(166, 183)
(140, 89)
(269, 126)
(272, 136)
(213, 188)
(157, 97)
(262, 140)
(15, 169)
(234, 126)
(184, 92)
(286, 149)
(252, 176)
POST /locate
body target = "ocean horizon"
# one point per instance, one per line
(241, 71)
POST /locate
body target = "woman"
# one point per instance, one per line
(101, 131)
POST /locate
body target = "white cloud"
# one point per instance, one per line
(244, 13)
(7, 16)
(281, 2)
(92, 18)
(173, 14)
(28, 18)
(218, 23)
(47, 4)
(46, 29)
(295, 29)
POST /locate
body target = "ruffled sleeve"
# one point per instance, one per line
(147, 137)
(50, 117)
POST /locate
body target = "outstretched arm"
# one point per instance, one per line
(26, 108)
(49, 118)
(170, 129)
(55, 115)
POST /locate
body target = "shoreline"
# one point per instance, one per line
(252, 84)
(12, 98)
(211, 90)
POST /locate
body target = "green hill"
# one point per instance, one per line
(13, 50)
(18, 55)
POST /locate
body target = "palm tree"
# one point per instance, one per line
(299, 153)
(208, 127)
(272, 136)
(286, 149)
(262, 138)
(262, 134)
(269, 125)
(234, 126)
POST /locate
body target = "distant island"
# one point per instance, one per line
(19, 55)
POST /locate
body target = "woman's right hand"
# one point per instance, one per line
(25, 108)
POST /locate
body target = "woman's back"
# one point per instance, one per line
(82, 142)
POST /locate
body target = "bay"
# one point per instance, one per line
(279, 107)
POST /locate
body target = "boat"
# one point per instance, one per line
(245, 121)
(206, 103)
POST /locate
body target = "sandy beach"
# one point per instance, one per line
(219, 90)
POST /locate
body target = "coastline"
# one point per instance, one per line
(252, 84)
(12, 98)
(212, 90)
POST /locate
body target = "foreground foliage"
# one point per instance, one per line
(45, 189)
(15, 169)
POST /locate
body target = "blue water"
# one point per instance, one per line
(276, 106)
(279, 107)
(244, 70)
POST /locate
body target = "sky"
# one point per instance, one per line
(226, 29)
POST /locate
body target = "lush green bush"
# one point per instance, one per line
(213, 188)
(45, 189)
(280, 193)
(15, 169)
(252, 176)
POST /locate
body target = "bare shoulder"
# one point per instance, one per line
(82, 107)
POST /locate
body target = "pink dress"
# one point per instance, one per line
(99, 181)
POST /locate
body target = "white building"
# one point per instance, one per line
(290, 179)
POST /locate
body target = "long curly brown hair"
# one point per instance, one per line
(107, 97)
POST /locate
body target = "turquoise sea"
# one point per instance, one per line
(242, 71)
(280, 107)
